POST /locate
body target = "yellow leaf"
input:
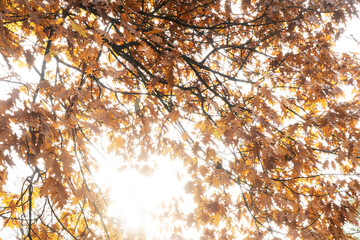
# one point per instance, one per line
(217, 135)
(79, 29)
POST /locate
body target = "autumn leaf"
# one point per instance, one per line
(47, 58)
(79, 29)
(30, 59)
(189, 187)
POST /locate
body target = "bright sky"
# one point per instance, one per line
(346, 43)
(137, 198)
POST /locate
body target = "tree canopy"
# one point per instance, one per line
(249, 94)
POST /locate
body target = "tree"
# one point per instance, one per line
(249, 94)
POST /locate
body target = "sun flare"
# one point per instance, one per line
(137, 199)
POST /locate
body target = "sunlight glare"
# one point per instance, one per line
(136, 199)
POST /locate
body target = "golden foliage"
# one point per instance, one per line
(272, 146)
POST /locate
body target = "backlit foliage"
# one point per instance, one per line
(249, 94)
